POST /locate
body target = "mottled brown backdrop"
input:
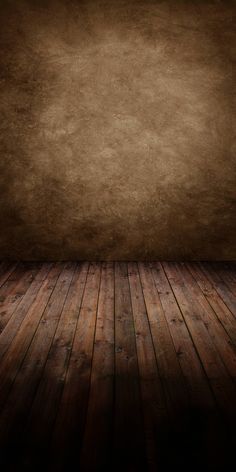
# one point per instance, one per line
(116, 129)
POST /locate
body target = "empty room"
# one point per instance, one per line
(117, 236)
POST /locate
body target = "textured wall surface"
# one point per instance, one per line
(116, 129)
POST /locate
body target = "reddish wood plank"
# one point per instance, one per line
(221, 310)
(99, 422)
(167, 360)
(37, 352)
(6, 270)
(22, 308)
(128, 420)
(17, 407)
(48, 395)
(222, 271)
(231, 268)
(221, 383)
(70, 421)
(153, 397)
(227, 296)
(15, 354)
(203, 415)
(126, 370)
(200, 393)
(215, 329)
(12, 292)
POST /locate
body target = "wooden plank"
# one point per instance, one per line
(8, 289)
(167, 360)
(16, 408)
(22, 309)
(15, 276)
(153, 397)
(5, 271)
(231, 268)
(215, 329)
(220, 381)
(187, 409)
(200, 393)
(48, 395)
(14, 356)
(201, 421)
(220, 286)
(129, 441)
(223, 271)
(191, 404)
(70, 421)
(12, 292)
(222, 312)
(62, 371)
(99, 422)
(49, 392)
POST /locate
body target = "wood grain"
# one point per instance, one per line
(117, 366)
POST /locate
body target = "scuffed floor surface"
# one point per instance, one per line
(117, 366)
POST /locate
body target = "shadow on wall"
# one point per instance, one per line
(117, 130)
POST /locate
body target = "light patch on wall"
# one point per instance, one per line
(118, 122)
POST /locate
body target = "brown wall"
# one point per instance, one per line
(116, 119)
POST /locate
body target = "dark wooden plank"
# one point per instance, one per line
(14, 356)
(48, 395)
(128, 420)
(16, 408)
(5, 271)
(8, 289)
(227, 296)
(16, 318)
(231, 268)
(167, 360)
(70, 421)
(203, 429)
(187, 409)
(222, 312)
(12, 292)
(153, 397)
(99, 422)
(225, 274)
(20, 268)
(215, 329)
(12, 280)
(1, 266)
(200, 393)
(220, 381)
(137, 386)
(50, 389)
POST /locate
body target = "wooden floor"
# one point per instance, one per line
(117, 366)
